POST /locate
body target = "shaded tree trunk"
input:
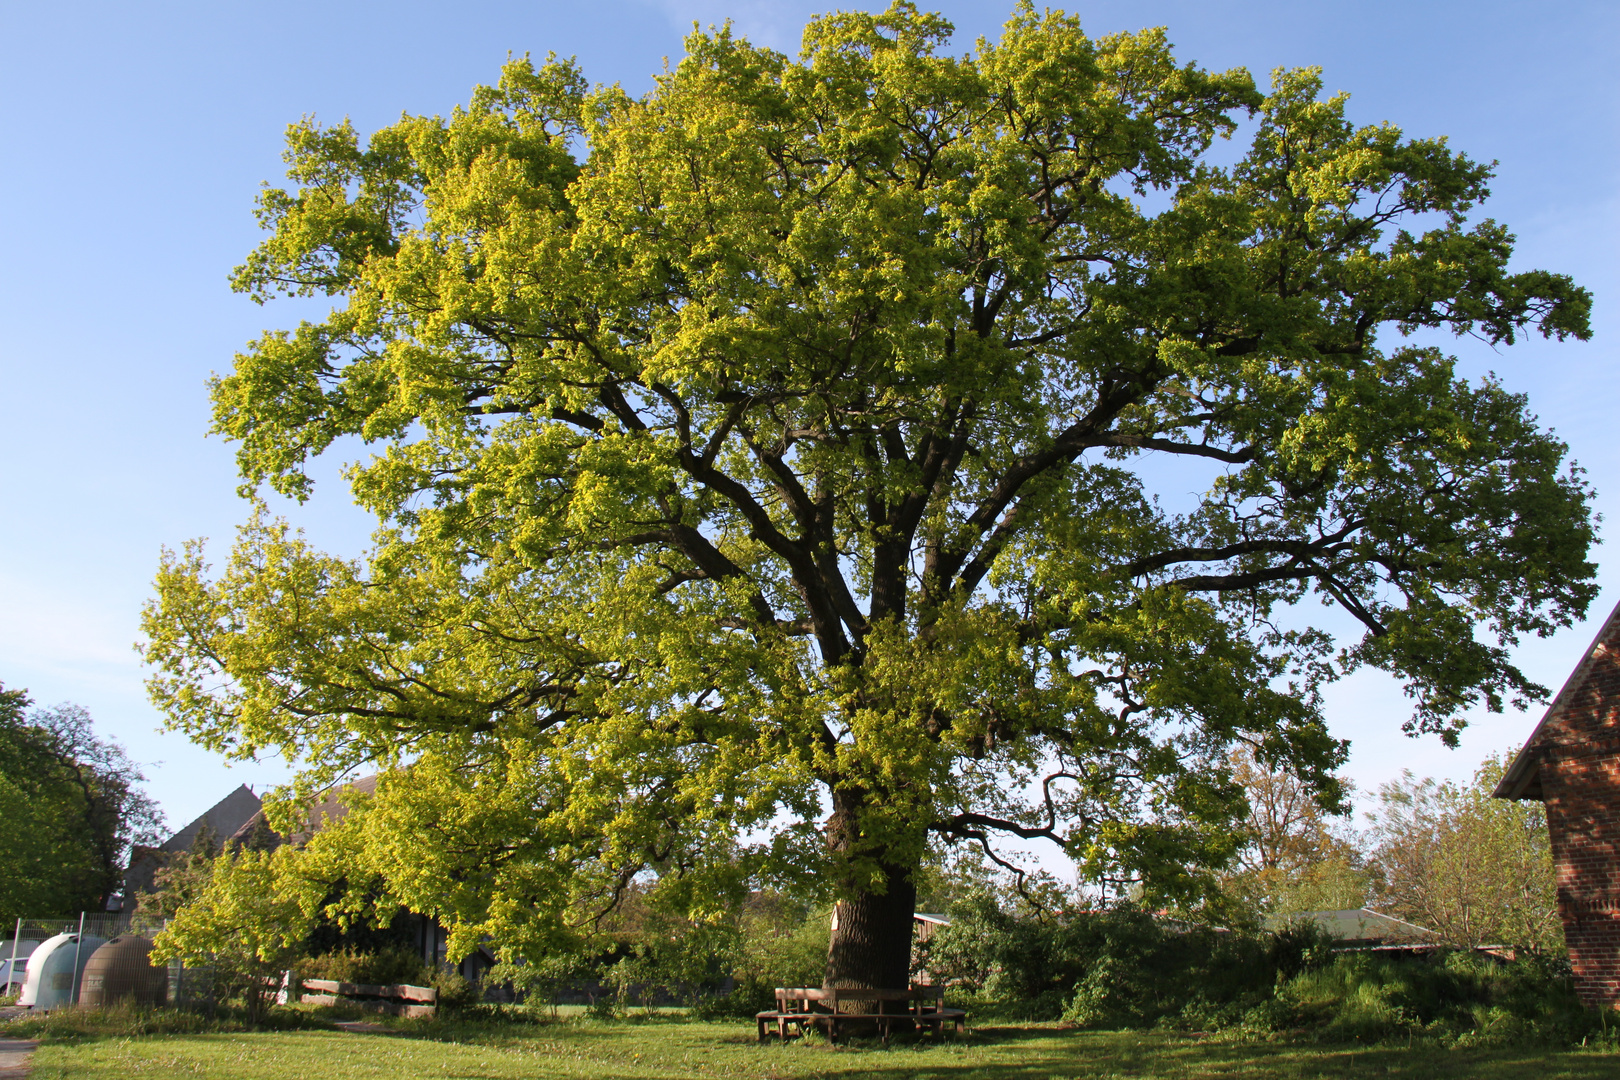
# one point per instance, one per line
(870, 944)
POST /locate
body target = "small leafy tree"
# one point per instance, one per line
(247, 924)
(1477, 870)
(1295, 858)
(182, 878)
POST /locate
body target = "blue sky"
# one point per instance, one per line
(135, 137)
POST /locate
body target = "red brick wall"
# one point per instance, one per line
(1580, 781)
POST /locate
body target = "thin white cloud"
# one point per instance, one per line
(49, 629)
(771, 23)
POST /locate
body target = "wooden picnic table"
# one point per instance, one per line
(812, 1006)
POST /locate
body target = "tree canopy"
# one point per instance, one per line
(70, 807)
(784, 468)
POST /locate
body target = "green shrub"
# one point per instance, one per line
(1456, 997)
(454, 992)
(382, 966)
(778, 944)
(1121, 967)
(125, 1020)
(1126, 968)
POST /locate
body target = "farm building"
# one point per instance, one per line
(1571, 762)
(222, 820)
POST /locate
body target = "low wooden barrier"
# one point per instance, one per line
(398, 999)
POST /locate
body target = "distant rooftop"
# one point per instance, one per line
(1360, 926)
(224, 818)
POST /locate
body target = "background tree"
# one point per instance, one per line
(182, 878)
(1477, 870)
(784, 467)
(70, 807)
(1295, 858)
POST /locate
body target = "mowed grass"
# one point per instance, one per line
(634, 1050)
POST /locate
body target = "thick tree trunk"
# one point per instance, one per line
(870, 945)
(871, 937)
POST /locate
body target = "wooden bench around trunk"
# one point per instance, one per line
(807, 1006)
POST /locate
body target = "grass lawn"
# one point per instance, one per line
(676, 1048)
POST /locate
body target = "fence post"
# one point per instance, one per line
(78, 944)
(11, 969)
(77, 947)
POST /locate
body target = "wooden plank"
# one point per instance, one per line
(391, 1008)
(402, 991)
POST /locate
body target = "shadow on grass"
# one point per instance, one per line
(667, 1046)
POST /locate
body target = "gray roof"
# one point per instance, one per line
(1359, 926)
(224, 817)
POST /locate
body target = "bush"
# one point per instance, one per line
(454, 992)
(126, 1021)
(778, 944)
(383, 966)
(1457, 998)
(1121, 967)
(1125, 968)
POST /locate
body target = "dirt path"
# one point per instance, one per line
(14, 1057)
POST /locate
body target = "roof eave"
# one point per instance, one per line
(1526, 766)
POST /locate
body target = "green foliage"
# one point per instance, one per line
(454, 993)
(1294, 858)
(245, 927)
(125, 1021)
(794, 449)
(1126, 968)
(385, 966)
(1477, 870)
(70, 807)
(182, 878)
(1457, 998)
(778, 943)
(1120, 967)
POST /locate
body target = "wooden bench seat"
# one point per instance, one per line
(919, 1007)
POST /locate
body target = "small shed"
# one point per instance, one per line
(923, 926)
(1571, 762)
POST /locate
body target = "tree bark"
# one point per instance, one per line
(870, 946)
(870, 943)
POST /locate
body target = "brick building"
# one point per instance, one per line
(1571, 762)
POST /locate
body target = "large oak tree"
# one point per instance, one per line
(768, 470)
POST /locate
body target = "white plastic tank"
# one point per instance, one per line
(53, 975)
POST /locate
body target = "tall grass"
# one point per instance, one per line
(1456, 998)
